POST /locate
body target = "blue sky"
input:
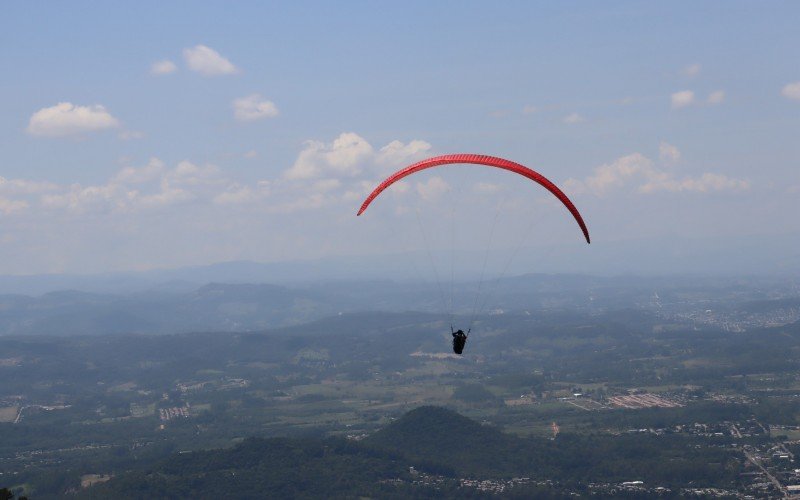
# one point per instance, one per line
(165, 134)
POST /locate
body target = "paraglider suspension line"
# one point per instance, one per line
(483, 268)
(517, 248)
(433, 266)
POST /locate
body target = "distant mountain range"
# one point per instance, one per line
(773, 256)
(213, 307)
(180, 306)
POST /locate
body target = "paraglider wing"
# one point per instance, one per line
(489, 161)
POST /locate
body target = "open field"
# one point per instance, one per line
(8, 413)
(647, 400)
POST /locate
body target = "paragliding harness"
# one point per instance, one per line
(459, 339)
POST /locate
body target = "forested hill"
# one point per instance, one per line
(447, 442)
(262, 468)
(440, 444)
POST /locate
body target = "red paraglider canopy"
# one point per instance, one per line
(489, 161)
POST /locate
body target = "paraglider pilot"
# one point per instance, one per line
(459, 339)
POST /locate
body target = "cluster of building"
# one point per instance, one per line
(490, 486)
(626, 488)
(771, 470)
(167, 414)
(633, 488)
(11, 361)
(11, 400)
(497, 486)
(737, 430)
(646, 400)
(632, 401)
(737, 321)
(710, 493)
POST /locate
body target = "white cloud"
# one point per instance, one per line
(361, 189)
(147, 187)
(703, 184)
(147, 173)
(791, 91)
(264, 186)
(639, 170)
(253, 107)
(486, 188)
(346, 151)
(164, 67)
(682, 99)
(691, 70)
(432, 188)
(325, 185)
(236, 195)
(343, 157)
(716, 97)
(573, 118)
(169, 195)
(8, 206)
(396, 153)
(346, 170)
(348, 155)
(614, 175)
(66, 119)
(23, 186)
(207, 61)
(529, 110)
(311, 201)
(399, 187)
(250, 154)
(81, 199)
(309, 163)
(668, 153)
(331, 177)
(187, 173)
(129, 135)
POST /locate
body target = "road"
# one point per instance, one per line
(772, 478)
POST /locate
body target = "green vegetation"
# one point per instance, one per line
(75, 411)
(430, 440)
(474, 393)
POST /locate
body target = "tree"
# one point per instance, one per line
(6, 494)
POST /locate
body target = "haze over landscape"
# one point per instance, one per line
(190, 307)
